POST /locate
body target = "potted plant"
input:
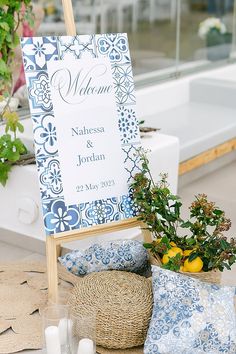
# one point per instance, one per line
(218, 39)
(13, 13)
(196, 246)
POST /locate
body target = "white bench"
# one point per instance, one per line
(20, 199)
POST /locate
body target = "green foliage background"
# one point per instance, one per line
(12, 14)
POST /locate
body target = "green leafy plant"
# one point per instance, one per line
(11, 17)
(11, 147)
(200, 238)
(12, 14)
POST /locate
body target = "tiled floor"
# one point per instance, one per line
(11, 253)
(220, 186)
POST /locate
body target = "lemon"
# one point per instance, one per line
(177, 250)
(167, 256)
(172, 243)
(194, 266)
(165, 259)
(171, 253)
(183, 269)
(156, 242)
(187, 252)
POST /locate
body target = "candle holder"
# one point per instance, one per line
(82, 336)
(56, 327)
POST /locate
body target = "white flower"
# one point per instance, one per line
(209, 24)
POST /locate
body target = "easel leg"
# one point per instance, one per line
(52, 269)
(147, 236)
(58, 250)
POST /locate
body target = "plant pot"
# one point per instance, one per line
(213, 276)
(218, 46)
(218, 52)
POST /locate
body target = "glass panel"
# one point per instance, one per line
(163, 34)
(150, 24)
(233, 52)
(151, 29)
(206, 32)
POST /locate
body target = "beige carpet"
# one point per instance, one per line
(23, 294)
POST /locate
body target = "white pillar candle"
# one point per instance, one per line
(52, 340)
(64, 327)
(86, 346)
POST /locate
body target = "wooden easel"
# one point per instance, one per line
(53, 242)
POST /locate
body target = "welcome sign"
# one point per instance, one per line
(87, 162)
(86, 134)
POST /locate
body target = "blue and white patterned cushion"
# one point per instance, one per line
(128, 255)
(190, 317)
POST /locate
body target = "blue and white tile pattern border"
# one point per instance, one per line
(37, 52)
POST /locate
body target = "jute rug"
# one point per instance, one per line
(23, 294)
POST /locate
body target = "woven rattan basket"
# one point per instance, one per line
(123, 303)
(213, 276)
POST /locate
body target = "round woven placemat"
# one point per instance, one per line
(38, 281)
(22, 293)
(12, 342)
(24, 266)
(13, 277)
(18, 300)
(123, 303)
(4, 325)
(28, 324)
